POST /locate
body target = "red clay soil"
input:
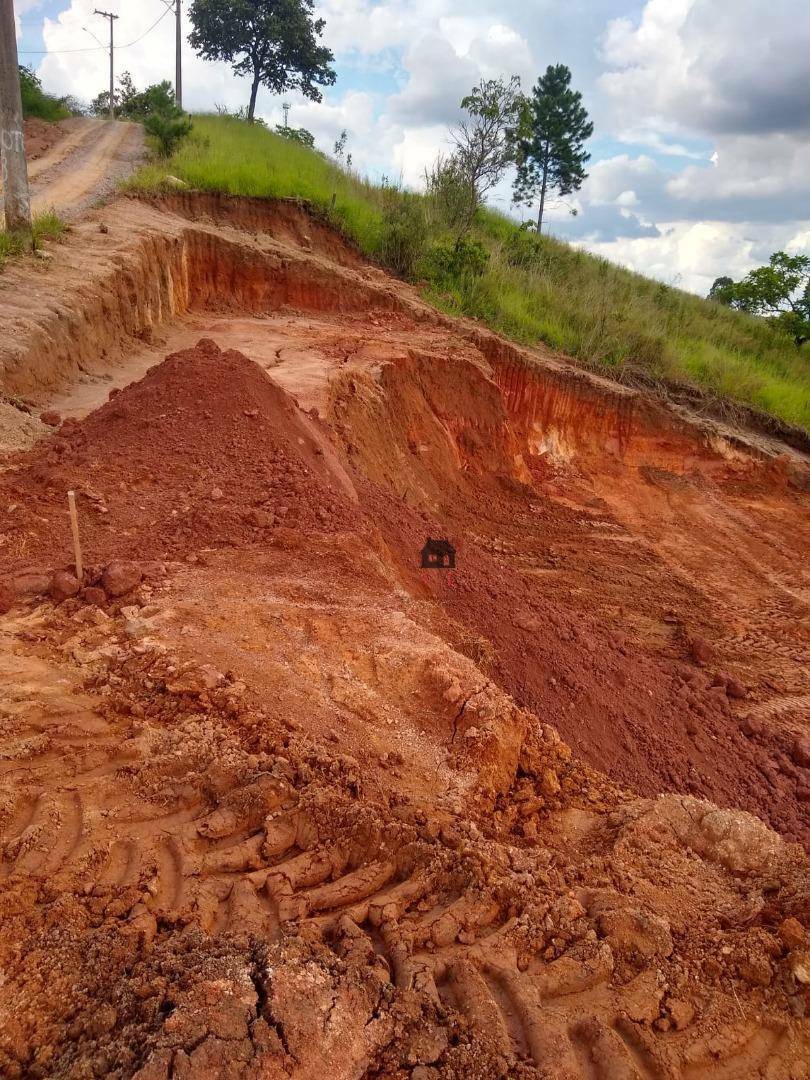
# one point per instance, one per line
(208, 451)
(650, 724)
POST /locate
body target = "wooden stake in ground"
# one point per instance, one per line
(74, 528)
(12, 142)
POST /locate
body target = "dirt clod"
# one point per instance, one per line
(120, 578)
(64, 585)
(801, 751)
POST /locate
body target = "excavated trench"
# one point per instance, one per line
(290, 737)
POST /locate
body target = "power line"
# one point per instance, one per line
(160, 19)
(94, 48)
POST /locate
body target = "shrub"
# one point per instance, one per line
(297, 135)
(168, 130)
(524, 249)
(455, 262)
(451, 195)
(403, 234)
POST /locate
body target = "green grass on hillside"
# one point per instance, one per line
(36, 102)
(46, 227)
(532, 290)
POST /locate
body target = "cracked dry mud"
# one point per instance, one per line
(277, 803)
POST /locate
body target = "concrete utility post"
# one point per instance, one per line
(12, 140)
(112, 18)
(178, 75)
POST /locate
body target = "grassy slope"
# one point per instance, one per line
(46, 227)
(608, 318)
(36, 102)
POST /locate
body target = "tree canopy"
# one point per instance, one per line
(130, 103)
(721, 290)
(298, 135)
(553, 128)
(483, 149)
(779, 291)
(272, 42)
(483, 139)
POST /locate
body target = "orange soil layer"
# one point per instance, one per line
(292, 806)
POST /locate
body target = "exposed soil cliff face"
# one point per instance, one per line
(165, 277)
(278, 802)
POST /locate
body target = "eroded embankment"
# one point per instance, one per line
(166, 276)
(207, 451)
(150, 266)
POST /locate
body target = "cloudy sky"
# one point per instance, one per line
(701, 154)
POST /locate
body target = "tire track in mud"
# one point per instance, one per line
(256, 864)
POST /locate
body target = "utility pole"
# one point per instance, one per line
(178, 58)
(12, 141)
(177, 7)
(112, 18)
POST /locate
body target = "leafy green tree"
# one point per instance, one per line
(133, 104)
(553, 128)
(273, 42)
(35, 102)
(484, 139)
(155, 107)
(722, 291)
(779, 291)
(156, 99)
(100, 105)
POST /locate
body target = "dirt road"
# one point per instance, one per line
(84, 166)
(276, 802)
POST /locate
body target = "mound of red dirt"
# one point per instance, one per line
(206, 450)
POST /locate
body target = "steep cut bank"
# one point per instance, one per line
(445, 458)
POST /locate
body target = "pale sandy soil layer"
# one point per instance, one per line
(275, 801)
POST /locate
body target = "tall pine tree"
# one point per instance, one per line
(553, 128)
